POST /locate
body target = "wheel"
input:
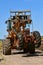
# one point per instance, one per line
(6, 47)
(31, 48)
(25, 50)
(37, 38)
(25, 47)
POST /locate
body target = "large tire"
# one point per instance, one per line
(30, 48)
(25, 50)
(6, 47)
(37, 38)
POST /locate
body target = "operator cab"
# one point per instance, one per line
(23, 16)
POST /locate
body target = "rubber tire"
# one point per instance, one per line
(38, 38)
(25, 50)
(6, 47)
(31, 48)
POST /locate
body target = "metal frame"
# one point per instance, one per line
(20, 12)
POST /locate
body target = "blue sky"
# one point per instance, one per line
(36, 7)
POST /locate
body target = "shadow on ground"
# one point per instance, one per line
(37, 53)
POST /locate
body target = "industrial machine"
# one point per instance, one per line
(19, 36)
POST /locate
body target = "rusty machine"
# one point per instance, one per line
(19, 36)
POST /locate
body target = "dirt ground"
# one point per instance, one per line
(19, 58)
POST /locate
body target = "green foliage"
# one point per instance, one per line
(41, 36)
(0, 44)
